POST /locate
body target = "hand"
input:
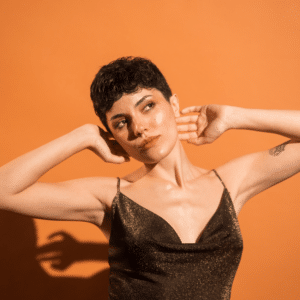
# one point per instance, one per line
(106, 147)
(62, 252)
(203, 128)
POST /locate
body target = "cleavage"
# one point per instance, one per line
(194, 215)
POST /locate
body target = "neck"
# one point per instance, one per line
(175, 167)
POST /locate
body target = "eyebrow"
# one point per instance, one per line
(136, 105)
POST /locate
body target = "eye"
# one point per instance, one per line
(121, 124)
(149, 106)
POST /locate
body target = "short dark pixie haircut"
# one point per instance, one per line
(125, 76)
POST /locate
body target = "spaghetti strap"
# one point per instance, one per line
(118, 185)
(219, 178)
(159, 252)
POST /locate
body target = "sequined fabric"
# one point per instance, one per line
(148, 260)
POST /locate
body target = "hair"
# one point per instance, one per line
(125, 76)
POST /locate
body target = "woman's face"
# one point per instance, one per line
(143, 123)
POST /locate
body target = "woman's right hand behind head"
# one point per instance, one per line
(105, 146)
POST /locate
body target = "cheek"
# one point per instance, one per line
(164, 117)
(159, 118)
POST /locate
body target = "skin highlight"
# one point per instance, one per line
(168, 184)
(145, 114)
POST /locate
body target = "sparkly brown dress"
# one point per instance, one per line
(148, 260)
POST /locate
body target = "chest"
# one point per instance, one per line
(186, 212)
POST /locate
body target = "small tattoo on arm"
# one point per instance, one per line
(278, 149)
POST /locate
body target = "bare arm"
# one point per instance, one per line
(283, 122)
(81, 199)
(250, 174)
(256, 172)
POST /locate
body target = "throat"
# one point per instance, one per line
(175, 168)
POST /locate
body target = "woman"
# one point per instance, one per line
(172, 227)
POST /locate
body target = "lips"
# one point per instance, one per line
(149, 142)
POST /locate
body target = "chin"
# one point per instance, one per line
(156, 154)
(151, 159)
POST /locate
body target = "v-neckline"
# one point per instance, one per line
(168, 224)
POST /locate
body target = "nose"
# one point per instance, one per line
(139, 127)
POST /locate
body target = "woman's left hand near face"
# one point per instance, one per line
(204, 127)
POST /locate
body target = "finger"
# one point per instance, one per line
(115, 159)
(113, 156)
(110, 136)
(56, 264)
(202, 121)
(59, 235)
(187, 136)
(119, 151)
(105, 134)
(187, 119)
(121, 154)
(191, 109)
(188, 127)
(197, 141)
(117, 147)
(202, 127)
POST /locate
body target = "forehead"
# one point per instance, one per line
(128, 101)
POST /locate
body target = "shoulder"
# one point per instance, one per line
(102, 188)
(234, 171)
(231, 175)
(135, 175)
(239, 177)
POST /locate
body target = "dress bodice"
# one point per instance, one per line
(148, 260)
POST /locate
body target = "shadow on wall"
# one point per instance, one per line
(21, 276)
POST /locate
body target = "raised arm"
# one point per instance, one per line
(81, 199)
(283, 122)
(250, 174)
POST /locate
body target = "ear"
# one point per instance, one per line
(175, 105)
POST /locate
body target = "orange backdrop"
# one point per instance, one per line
(243, 53)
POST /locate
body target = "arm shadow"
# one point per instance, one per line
(21, 276)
